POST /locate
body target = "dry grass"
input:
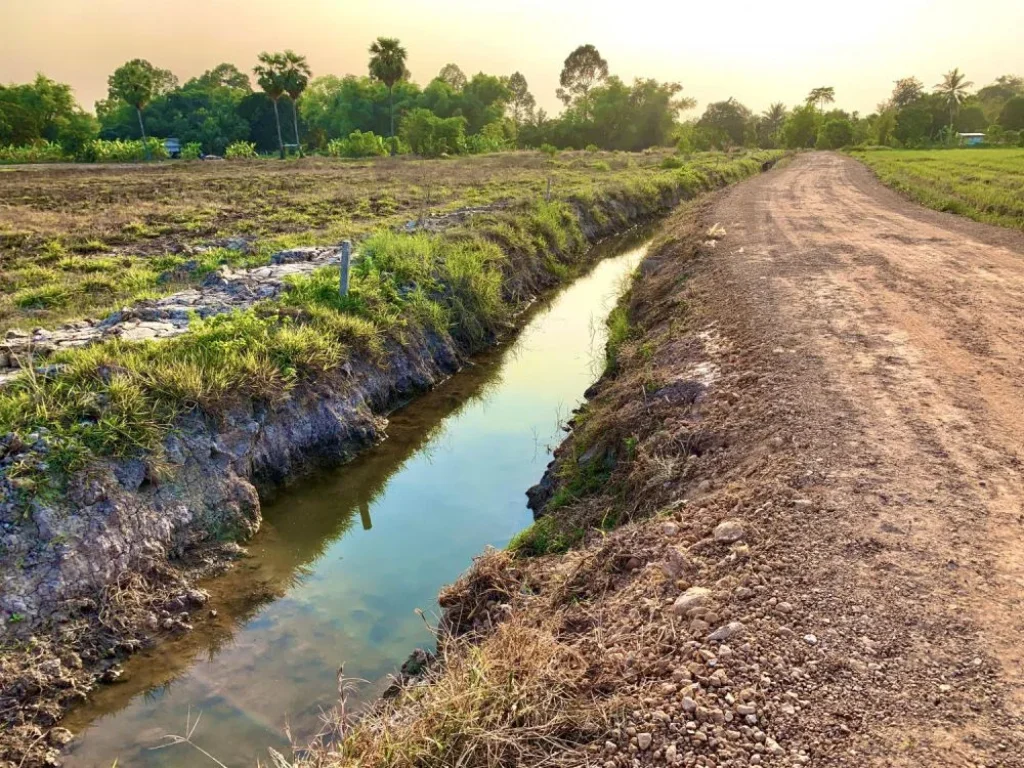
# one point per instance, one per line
(513, 691)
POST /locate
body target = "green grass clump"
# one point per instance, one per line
(983, 184)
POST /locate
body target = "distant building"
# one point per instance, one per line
(971, 139)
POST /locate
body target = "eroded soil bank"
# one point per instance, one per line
(816, 558)
(110, 564)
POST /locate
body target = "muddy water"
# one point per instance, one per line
(343, 560)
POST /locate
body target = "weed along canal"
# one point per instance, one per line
(344, 560)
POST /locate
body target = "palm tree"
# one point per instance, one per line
(387, 64)
(296, 74)
(953, 89)
(270, 76)
(821, 97)
(774, 117)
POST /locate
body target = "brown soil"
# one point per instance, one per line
(838, 375)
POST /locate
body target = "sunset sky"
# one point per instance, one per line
(757, 52)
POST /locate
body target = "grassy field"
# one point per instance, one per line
(83, 240)
(120, 398)
(984, 184)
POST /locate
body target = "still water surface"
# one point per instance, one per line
(344, 559)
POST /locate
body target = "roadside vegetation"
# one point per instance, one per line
(985, 186)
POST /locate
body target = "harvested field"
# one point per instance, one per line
(81, 241)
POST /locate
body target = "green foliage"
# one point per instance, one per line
(125, 150)
(726, 121)
(40, 152)
(493, 137)
(619, 332)
(431, 136)
(583, 69)
(834, 134)
(672, 161)
(984, 184)
(191, 151)
(358, 144)
(801, 127)
(1011, 117)
(240, 150)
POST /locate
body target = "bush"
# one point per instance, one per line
(192, 151)
(124, 150)
(549, 149)
(592, 148)
(40, 152)
(835, 134)
(672, 162)
(493, 137)
(358, 144)
(431, 136)
(240, 150)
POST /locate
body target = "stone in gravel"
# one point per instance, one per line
(60, 736)
(811, 639)
(670, 754)
(688, 704)
(727, 631)
(729, 531)
(669, 529)
(694, 597)
(643, 740)
(784, 607)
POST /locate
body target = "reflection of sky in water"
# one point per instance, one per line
(449, 480)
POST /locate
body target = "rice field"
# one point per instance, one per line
(984, 184)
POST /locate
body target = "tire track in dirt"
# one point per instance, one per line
(907, 327)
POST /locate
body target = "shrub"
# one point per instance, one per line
(549, 149)
(835, 134)
(496, 136)
(240, 150)
(40, 152)
(672, 162)
(431, 136)
(124, 150)
(358, 144)
(592, 148)
(192, 151)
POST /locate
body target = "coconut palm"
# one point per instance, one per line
(953, 90)
(774, 117)
(387, 64)
(821, 97)
(270, 74)
(296, 74)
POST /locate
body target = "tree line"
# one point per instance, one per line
(384, 111)
(910, 117)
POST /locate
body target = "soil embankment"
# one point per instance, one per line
(813, 434)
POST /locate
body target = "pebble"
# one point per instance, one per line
(810, 639)
(727, 631)
(643, 740)
(729, 531)
(694, 597)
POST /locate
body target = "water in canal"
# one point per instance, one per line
(343, 560)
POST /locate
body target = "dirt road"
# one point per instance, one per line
(895, 336)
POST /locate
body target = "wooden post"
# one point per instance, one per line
(346, 263)
(547, 197)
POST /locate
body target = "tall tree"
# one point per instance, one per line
(907, 91)
(270, 75)
(583, 69)
(453, 75)
(387, 64)
(521, 101)
(222, 76)
(726, 121)
(769, 127)
(953, 90)
(821, 97)
(296, 76)
(136, 83)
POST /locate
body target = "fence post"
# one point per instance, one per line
(547, 197)
(346, 263)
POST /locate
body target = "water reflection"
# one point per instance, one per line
(345, 558)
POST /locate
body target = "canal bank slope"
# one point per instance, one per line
(778, 533)
(103, 560)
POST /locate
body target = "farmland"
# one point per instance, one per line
(986, 185)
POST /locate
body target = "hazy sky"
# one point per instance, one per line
(758, 52)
